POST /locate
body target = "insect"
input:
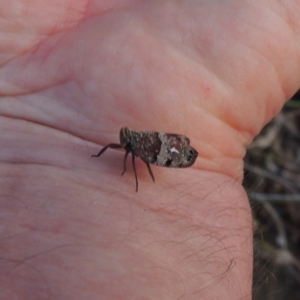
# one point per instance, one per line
(158, 148)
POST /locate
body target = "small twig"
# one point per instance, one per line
(269, 175)
(274, 197)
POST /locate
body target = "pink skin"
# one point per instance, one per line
(72, 74)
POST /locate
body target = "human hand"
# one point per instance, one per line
(73, 73)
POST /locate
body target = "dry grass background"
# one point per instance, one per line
(272, 180)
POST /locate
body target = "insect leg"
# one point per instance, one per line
(150, 171)
(124, 163)
(113, 146)
(134, 169)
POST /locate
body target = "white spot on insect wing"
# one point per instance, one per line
(173, 149)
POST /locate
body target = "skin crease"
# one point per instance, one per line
(72, 74)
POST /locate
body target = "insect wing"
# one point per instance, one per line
(163, 149)
(146, 145)
(175, 151)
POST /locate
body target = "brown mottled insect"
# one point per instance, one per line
(158, 148)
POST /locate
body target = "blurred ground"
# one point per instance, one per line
(272, 180)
